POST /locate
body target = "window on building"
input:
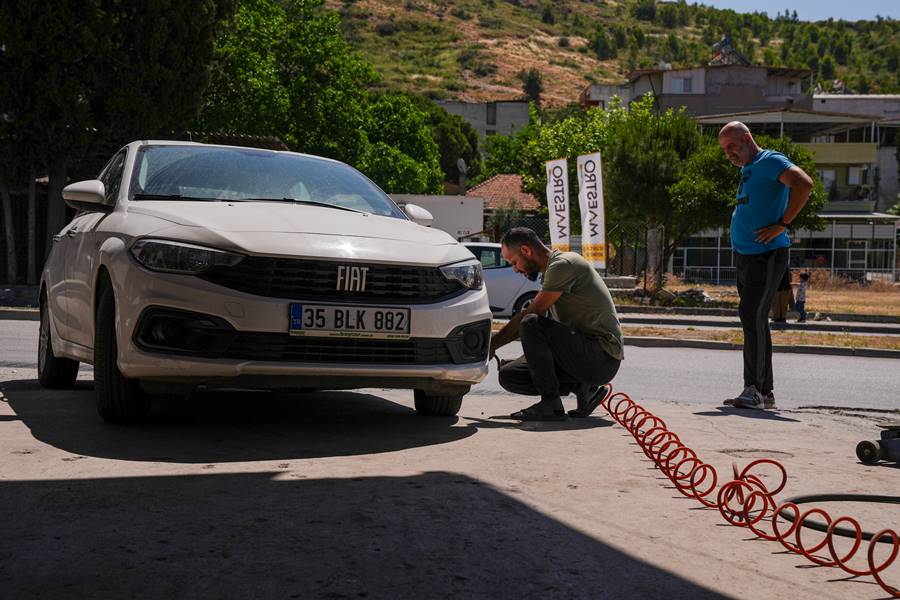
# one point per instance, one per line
(857, 176)
(492, 113)
(684, 85)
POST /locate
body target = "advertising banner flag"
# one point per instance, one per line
(558, 203)
(590, 200)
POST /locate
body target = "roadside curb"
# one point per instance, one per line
(20, 314)
(660, 342)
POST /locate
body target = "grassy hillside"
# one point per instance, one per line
(474, 49)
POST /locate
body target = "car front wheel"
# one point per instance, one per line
(53, 372)
(523, 302)
(119, 399)
(437, 405)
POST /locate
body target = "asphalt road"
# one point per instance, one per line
(353, 495)
(664, 374)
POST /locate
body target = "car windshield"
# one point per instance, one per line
(245, 174)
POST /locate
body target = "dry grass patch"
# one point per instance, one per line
(876, 299)
(786, 338)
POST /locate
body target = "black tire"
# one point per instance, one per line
(119, 400)
(523, 301)
(444, 405)
(53, 372)
(869, 452)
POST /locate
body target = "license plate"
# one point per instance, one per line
(323, 320)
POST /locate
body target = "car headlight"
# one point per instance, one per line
(467, 273)
(178, 257)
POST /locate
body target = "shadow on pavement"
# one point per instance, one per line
(724, 411)
(231, 426)
(258, 536)
(505, 422)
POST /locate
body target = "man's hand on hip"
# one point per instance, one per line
(769, 233)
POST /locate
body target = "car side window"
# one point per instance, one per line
(111, 176)
(491, 258)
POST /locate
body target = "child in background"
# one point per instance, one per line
(800, 304)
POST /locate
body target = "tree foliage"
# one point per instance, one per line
(92, 74)
(282, 68)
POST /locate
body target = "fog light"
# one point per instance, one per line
(166, 332)
(469, 343)
(472, 340)
(176, 331)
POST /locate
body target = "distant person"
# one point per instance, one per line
(578, 348)
(782, 298)
(800, 304)
(771, 193)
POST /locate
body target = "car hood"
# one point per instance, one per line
(297, 230)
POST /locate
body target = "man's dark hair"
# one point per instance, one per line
(520, 236)
(804, 276)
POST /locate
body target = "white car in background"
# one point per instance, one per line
(197, 265)
(508, 292)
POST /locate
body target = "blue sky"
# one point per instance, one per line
(814, 10)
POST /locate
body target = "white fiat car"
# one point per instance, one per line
(198, 265)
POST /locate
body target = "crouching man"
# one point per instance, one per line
(577, 349)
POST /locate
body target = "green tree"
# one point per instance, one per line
(645, 156)
(826, 68)
(400, 154)
(455, 139)
(532, 84)
(604, 46)
(281, 68)
(90, 74)
(645, 10)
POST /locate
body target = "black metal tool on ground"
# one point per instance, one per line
(887, 448)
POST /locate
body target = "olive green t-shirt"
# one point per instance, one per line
(585, 304)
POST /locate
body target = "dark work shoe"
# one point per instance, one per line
(588, 403)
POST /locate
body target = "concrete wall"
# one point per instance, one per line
(697, 77)
(508, 117)
(738, 89)
(877, 105)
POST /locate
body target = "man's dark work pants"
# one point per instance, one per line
(758, 276)
(557, 361)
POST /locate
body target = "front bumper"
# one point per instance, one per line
(263, 323)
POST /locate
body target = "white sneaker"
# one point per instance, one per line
(747, 393)
(752, 398)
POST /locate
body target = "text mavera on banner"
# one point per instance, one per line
(590, 200)
(558, 203)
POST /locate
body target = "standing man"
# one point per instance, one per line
(577, 349)
(770, 196)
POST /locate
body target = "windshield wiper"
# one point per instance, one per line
(170, 197)
(296, 201)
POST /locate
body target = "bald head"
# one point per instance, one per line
(734, 127)
(738, 144)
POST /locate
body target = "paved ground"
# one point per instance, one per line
(351, 495)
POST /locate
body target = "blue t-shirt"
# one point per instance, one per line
(761, 201)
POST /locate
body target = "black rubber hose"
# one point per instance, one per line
(842, 531)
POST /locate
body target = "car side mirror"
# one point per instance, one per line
(87, 195)
(418, 215)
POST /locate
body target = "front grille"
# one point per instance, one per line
(282, 347)
(295, 279)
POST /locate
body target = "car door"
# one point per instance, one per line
(82, 255)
